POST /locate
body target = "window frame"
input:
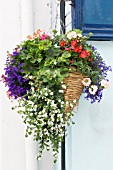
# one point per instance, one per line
(100, 31)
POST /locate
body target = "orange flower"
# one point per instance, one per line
(3, 78)
(8, 94)
(29, 37)
(83, 54)
(35, 35)
(74, 44)
(88, 53)
(78, 48)
(62, 43)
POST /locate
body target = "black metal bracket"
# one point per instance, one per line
(62, 31)
(71, 1)
(62, 16)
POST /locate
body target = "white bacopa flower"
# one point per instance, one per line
(32, 88)
(53, 104)
(62, 102)
(56, 45)
(43, 111)
(93, 89)
(68, 114)
(63, 86)
(71, 105)
(67, 102)
(31, 83)
(46, 94)
(59, 115)
(55, 63)
(35, 109)
(30, 77)
(51, 93)
(61, 91)
(30, 102)
(56, 111)
(71, 35)
(74, 101)
(31, 114)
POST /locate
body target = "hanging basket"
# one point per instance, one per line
(74, 89)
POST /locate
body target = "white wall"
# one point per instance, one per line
(17, 20)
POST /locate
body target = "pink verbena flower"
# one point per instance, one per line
(86, 81)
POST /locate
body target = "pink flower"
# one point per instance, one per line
(105, 84)
(44, 36)
(86, 81)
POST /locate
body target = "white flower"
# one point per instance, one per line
(51, 93)
(30, 77)
(56, 46)
(67, 102)
(93, 89)
(63, 86)
(53, 104)
(31, 114)
(32, 88)
(46, 94)
(62, 102)
(30, 102)
(74, 101)
(55, 63)
(79, 35)
(56, 111)
(61, 91)
(71, 35)
(43, 111)
(71, 105)
(105, 84)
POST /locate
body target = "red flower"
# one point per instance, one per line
(84, 54)
(67, 49)
(88, 53)
(74, 44)
(62, 43)
(78, 48)
(71, 61)
(90, 59)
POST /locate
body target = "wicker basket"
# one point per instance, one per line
(74, 89)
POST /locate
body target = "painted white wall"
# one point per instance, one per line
(12, 130)
(17, 20)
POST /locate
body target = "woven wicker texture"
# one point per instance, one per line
(74, 89)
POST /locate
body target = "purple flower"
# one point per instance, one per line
(15, 80)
